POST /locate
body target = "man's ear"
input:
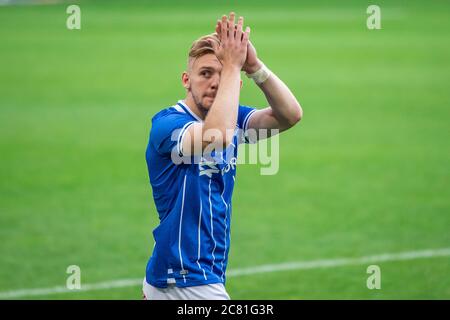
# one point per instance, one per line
(240, 84)
(185, 80)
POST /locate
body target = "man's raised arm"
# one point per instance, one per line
(284, 111)
(218, 127)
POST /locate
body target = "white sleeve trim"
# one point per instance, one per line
(247, 119)
(181, 137)
(245, 126)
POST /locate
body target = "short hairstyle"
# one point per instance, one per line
(203, 45)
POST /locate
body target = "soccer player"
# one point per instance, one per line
(193, 195)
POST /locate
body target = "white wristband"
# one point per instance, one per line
(261, 75)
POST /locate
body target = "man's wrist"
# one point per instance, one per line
(231, 68)
(260, 75)
(253, 68)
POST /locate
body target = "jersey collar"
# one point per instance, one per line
(186, 109)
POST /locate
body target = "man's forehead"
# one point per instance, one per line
(207, 61)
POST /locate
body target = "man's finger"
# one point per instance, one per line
(232, 18)
(224, 28)
(246, 35)
(239, 28)
(231, 25)
(218, 28)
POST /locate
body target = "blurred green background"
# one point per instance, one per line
(365, 172)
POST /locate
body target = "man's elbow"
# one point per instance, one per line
(296, 115)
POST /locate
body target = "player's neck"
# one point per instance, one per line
(189, 101)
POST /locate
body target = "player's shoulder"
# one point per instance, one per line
(245, 109)
(170, 113)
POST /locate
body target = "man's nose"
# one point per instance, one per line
(215, 82)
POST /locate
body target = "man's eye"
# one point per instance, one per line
(206, 73)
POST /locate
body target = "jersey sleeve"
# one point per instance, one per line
(167, 132)
(244, 114)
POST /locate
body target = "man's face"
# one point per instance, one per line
(203, 80)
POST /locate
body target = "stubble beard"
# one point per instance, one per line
(199, 104)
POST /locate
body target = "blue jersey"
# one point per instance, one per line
(193, 200)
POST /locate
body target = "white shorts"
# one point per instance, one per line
(214, 291)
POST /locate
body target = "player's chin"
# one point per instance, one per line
(208, 101)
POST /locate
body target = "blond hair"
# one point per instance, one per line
(203, 45)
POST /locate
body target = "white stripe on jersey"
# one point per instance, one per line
(179, 229)
(226, 211)
(212, 229)
(198, 257)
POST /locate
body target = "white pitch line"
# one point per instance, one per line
(299, 265)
